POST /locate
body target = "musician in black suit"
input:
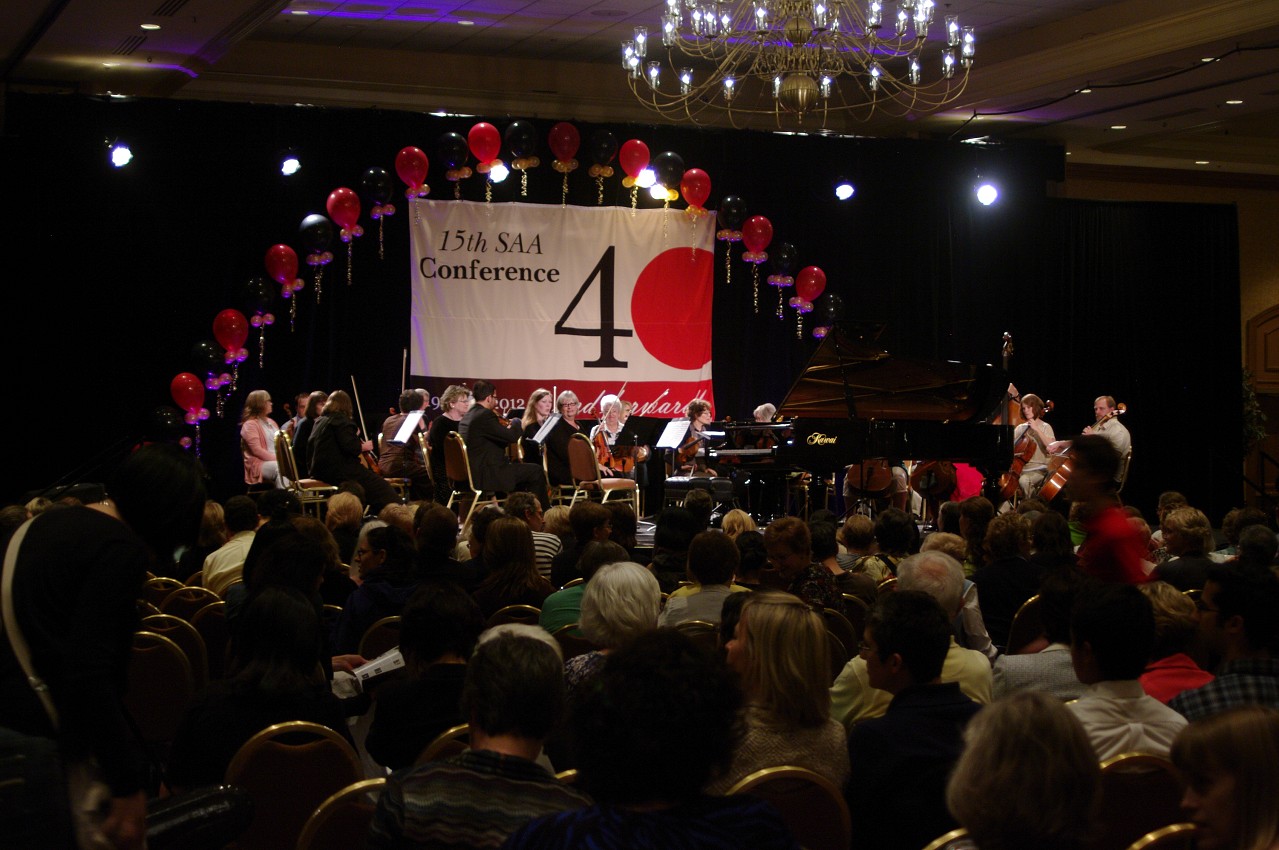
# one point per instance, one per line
(486, 441)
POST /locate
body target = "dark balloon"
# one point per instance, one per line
(669, 168)
(732, 213)
(603, 147)
(316, 233)
(521, 139)
(258, 295)
(784, 258)
(208, 356)
(832, 309)
(454, 150)
(164, 424)
(376, 186)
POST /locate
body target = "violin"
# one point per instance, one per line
(515, 451)
(619, 458)
(367, 458)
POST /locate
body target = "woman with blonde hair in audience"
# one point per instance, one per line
(555, 521)
(257, 440)
(511, 562)
(342, 517)
(620, 603)
(1188, 540)
(737, 521)
(1230, 763)
(1028, 777)
(780, 650)
(1171, 670)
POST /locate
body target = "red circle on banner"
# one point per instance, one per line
(671, 307)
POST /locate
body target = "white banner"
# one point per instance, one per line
(593, 299)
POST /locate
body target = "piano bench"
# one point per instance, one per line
(679, 486)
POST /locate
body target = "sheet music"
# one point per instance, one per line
(673, 434)
(409, 427)
(546, 428)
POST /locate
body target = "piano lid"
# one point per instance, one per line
(849, 378)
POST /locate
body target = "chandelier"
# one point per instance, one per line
(798, 57)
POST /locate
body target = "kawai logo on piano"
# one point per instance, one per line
(820, 439)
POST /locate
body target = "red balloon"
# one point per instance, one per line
(231, 329)
(810, 283)
(187, 391)
(485, 142)
(634, 157)
(411, 164)
(695, 187)
(282, 263)
(757, 232)
(344, 208)
(564, 141)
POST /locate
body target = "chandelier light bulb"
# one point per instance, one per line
(685, 80)
(654, 72)
(914, 71)
(969, 49)
(903, 18)
(729, 82)
(628, 53)
(641, 41)
(874, 14)
(952, 30)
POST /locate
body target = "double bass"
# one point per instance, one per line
(1061, 467)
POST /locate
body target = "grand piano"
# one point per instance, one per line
(855, 402)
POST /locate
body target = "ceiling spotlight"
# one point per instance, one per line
(150, 26)
(498, 173)
(658, 192)
(646, 178)
(119, 154)
(290, 165)
(987, 194)
(844, 190)
(1201, 162)
(1119, 126)
(1234, 103)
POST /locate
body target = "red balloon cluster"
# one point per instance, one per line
(695, 186)
(412, 165)
(634, 157)
(231, 329)
(485, 143)
(344, 208)
(757, 233)
(188, 393)
(564, 140)
(282, 266)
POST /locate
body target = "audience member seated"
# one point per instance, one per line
(512, 577)
(276, 511)
(625, 526)
(826, 553)
(1028, 778)
(1050, 669)
(1008, 579)
(436, 538)
(658, 728)
(790, 553)
(588, 521)
(970, 626)
(213, 533)
(736, 521)
(780, 650)
(1188, 540)
(1112, 632)
(854, 699)
(225, 566)
(1050, 545)
(1237, 623)
(1230, 765)
(400, 516)
(700, 504)
(895, 536)
(753, 560)
(1257, 547)
(975, 514)
(525, 506)
(512, 696)
(948, 518)
(438, 632)
(856, 539)
(1233, 525)
(621, 602)
(1169, 501)
(336, 585)
(555, 519)
(1171, 670)
(342, 516)
(473, 549)
(386, 561)
(674, 530)
(564, 607)
(909, 752)
(712, 562)
(276, 675)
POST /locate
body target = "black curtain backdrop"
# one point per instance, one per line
(113, 275)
